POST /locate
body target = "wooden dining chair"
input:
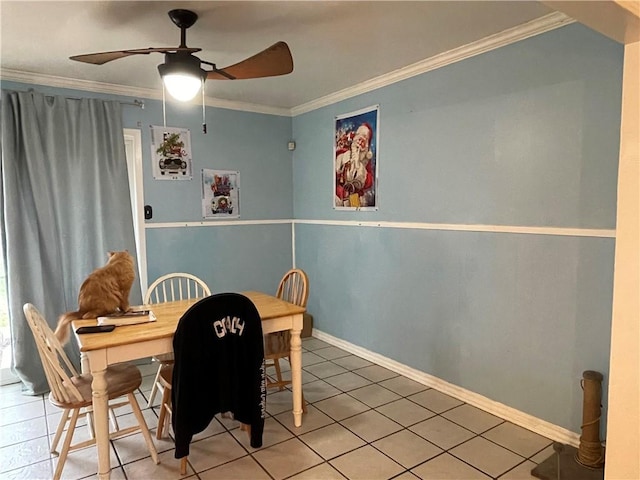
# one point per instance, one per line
(71, 391)
(168, 288)
(165, 379)
(293, 288)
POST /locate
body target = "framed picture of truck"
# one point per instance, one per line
(220, 194)
(171, 153)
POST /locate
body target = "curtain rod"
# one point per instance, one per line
(135, 103)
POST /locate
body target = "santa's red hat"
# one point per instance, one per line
(366, 131)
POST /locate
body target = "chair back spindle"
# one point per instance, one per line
(176, 286)
(293, 287)
(57, 367)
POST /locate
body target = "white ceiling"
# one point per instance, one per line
(335, 45)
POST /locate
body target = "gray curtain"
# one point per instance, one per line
(65, 204)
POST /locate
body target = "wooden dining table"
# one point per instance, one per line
(132, 342)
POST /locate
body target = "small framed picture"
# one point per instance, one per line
(171, 153)
(220, 194)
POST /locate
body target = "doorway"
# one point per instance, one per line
(133, 149)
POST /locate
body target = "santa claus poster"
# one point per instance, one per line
(355, 160)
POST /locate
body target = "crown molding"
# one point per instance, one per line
(7, 74)
(506, 37)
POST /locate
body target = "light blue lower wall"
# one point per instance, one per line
(228, 258)
(525, 135)
(515, 318)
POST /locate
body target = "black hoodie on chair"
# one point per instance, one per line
(219, 367)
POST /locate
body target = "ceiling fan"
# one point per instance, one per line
(182, 72)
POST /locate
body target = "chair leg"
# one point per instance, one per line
(59, 430)
(66, 444)
(154, 389)
(166, 398)
(183, 465)
(167, 422)
(143, 427)
(276, 364)
(90, 423)
(246, 427)
(114, 420)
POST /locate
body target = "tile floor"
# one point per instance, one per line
(363, 422)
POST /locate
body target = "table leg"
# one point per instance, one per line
(85, 366)
(101, 421)
(296, 372)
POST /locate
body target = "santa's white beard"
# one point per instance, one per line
(358, 155)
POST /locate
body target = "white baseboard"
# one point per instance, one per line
(541, 427)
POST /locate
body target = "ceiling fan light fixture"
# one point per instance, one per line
(182, 75)
(182, 87)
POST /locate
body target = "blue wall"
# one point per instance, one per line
(526, 135)
(253, 144)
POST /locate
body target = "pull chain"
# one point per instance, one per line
(164, 108)
(204, 120)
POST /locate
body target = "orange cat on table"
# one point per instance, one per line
(105, 291)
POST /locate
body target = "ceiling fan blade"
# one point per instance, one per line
(275, 60)
(104, 57)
